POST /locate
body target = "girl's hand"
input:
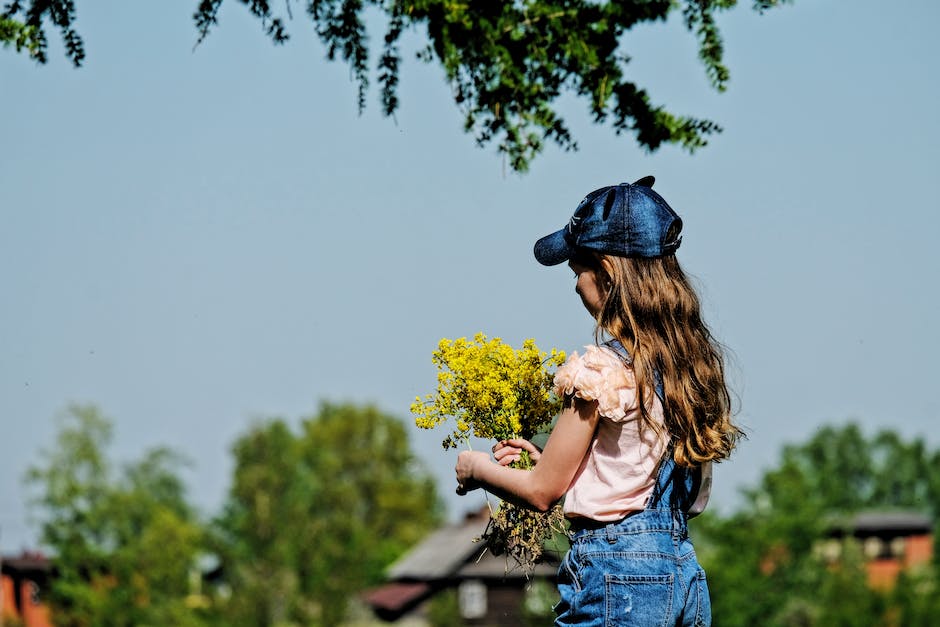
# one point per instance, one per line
(509, 451)
(466, 461)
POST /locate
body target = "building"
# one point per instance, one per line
(490, 591)
(23, 579)
(890, 543)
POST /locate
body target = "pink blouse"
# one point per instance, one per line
(617, 473)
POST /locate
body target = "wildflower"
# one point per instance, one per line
(493, 391)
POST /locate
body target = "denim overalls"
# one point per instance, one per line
(641, 570)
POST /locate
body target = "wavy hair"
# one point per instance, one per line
(652, 309)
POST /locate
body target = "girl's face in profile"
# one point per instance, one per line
(588, 287)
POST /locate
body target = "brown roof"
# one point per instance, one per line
(489, 566)
(891, 523)
(440, 554)
(394, 598)
(27, 562)
(454, 552)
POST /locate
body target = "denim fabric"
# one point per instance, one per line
(627, 220)
(641, 570)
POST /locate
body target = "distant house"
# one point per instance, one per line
(490, 590)
(23, 579)
(890, 542)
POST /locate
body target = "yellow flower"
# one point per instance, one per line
(491, 390)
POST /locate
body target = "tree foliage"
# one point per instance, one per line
(123, 545)
(314, 517)
(21, 37)
(762, 561)
(507, 63)
(29, 20)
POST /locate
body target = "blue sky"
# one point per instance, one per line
(194, 240)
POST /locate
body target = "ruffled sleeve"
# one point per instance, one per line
(599, 375)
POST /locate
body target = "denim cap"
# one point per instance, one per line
(626, 220)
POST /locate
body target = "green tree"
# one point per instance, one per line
(122, 548)
(916, 598)
(257, 532)
(315, 516)
(21, 37)
(507, 63)
(764, 563)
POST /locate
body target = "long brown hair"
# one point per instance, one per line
(653, 310)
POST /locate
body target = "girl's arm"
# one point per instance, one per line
(541, 487)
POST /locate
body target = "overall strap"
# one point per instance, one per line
(685, 489)
(620, 349)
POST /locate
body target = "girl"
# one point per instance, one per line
(644, 413)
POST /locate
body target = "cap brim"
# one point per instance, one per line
(553, 249)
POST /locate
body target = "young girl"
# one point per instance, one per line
(644, 413)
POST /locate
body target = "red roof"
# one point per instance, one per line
(394, 598)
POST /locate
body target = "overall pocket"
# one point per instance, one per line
(703, 604)
(641, 600)
(569, 585)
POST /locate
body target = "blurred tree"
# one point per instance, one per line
(314, 517)
(444, 609)
(21, 37)
(258, 529)
(915, 600)
(123, 549)
(507, 63)
(763, 562)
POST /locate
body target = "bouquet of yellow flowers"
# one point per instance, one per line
(495, 392)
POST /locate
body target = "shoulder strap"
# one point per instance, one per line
(618, 347)
(696, 483)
